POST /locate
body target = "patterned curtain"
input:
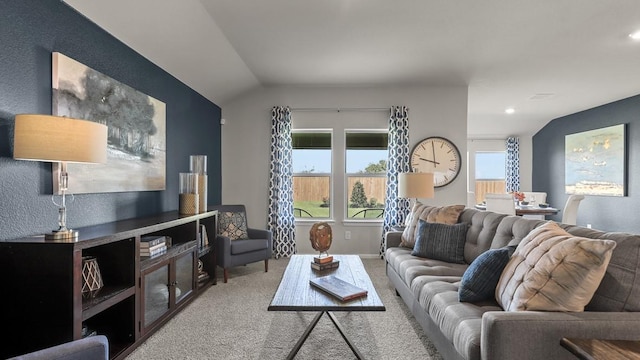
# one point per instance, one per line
(396, 209)
(281, 221)
(513, 164)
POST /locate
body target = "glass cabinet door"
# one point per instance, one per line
(156, 294)
(184, 276)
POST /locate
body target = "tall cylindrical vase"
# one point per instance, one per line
(198, 165)
(189, 199)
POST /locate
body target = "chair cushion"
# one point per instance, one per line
(481, 277)
(232, 225)
(441, 241)
(242, 246)
(552, 270)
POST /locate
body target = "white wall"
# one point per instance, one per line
(433, 111)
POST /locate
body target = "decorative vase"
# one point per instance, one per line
(91, 277)
(189, 199)
(198, 165)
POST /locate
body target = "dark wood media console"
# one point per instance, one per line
(42, 300)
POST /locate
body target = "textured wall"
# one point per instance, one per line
(602, 212)
(30, 30)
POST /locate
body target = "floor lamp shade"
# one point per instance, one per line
(59, 139)
(415, 185)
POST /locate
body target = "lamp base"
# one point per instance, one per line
(61, 235)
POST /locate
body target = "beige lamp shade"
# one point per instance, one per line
(59, 139)
(415, 185)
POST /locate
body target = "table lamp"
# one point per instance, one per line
(415, 185)
(59, 139)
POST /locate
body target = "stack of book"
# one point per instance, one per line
(204, 239)
(203, 276)
(151, 246)
(324, 263)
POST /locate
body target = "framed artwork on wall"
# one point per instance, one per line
(595, 162)
(136, 151)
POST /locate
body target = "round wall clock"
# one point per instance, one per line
(439, 156)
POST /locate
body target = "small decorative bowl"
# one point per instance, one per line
(543, 205)
(525, 203)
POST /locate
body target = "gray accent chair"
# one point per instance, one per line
(230, 253)
(89, 348)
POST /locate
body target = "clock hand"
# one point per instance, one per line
(433, 149)
(431, 161)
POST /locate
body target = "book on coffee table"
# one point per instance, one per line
(331, 265)
(337, 287)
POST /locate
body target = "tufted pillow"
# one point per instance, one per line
(552, 270)
(232, 225)
(480, 279)
(444, 215)
(441, 241)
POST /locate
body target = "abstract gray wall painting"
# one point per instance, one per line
(136, 153)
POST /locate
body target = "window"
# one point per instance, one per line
(366, 174)
(311, 173)
(490, 173)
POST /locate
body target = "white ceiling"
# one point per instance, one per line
(545, 58)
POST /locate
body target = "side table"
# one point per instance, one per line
(596, 349)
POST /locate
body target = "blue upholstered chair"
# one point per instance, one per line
(237, 244)
(89, 348)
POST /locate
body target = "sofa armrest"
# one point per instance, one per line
(89, 348)
(537, 334)
(392, 239)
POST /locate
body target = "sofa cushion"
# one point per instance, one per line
(443, 215)
(620, 286)
(440, 241)
(459, 322)
(482, 230)
(412, 268)
(480, 279)
(551, 270)
(232, 225)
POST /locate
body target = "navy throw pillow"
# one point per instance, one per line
(480, 279)
(441, 241)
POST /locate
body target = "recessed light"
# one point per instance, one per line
(635, 35)
(510, 110)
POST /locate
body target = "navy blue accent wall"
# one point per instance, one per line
(30, 30)
(607, 213)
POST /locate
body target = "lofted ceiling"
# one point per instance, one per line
(545, 58)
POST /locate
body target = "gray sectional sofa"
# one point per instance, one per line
(472, 331)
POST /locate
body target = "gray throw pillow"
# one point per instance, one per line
(441, 241)
(480, 279)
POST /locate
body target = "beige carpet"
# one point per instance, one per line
(231, 321)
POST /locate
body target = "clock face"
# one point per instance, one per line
(439, 156)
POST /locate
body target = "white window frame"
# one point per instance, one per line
(346, 175)
(331, 175)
